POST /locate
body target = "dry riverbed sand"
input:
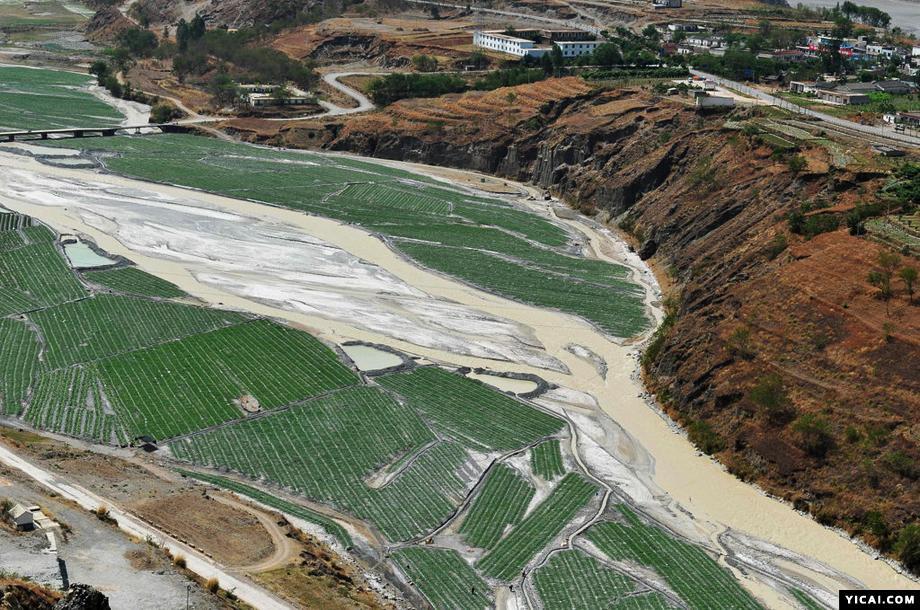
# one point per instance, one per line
(635, 448)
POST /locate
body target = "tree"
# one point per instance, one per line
(224, 89)
(607, 54)
(651, 33)
(908, 275)
(546, 62)
(424, 63)
(558, 59)
(888, 263)
(162, 113)
(281, 95)
(182, 35)
(100, 70)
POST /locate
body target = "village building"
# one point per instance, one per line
(537, 43)
(21, 517)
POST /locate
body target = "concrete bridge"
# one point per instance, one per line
(81, 132)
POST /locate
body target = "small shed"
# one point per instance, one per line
(146, 442)
(22, 518)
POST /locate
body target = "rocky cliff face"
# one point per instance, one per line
(779, 357)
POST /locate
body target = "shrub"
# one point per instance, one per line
(814, 434)
(212, 585)
(908, 547)
(179, 561)
(739, 342)
(770, 395)
(903, 464)
(796, 163)
(777, 246)
(703, 436)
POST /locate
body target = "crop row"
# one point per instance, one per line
(19, 350)
(384, 196)
(179, 387)
(106, 325)
(691, 573)
(573, 580)
(469, 411)
(301, 512)
(327, 449)
(538, 529)
(12, 222)
(546, 460)
(52, 99)
(39, 271)
(131, 280)
(71, 401)
(617, 310)
(501, 502)
(444, 578)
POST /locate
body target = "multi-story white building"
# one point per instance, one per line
(505, 43)
(577, 48)
(572, 43)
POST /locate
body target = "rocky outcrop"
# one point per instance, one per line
(82, 597)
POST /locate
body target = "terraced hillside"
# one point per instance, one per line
(484, 241)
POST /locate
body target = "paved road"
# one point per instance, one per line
(873, 133)
(195, 561)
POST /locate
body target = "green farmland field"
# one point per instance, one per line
(530, 536)
(469, 410)
(19, 348)
(325, 449)
(107, 325)
(39, 272)
(131, 280)
(501, 502)
(70, 401)
(444, 578)
(699, 581)
(49, 99)
(546, 460)
(573, 580)
(179, 387)
(483, 241)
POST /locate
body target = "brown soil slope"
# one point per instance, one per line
(832, 424)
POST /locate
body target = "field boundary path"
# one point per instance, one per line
(195, 561)
(867, 130)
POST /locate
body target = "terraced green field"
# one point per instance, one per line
(699, 581)
(327, 449)
(501, 502)
(510, 556)
(19, 348)
(48, 99)
(302, 512)
(39, 272)
(546, 460)
(483, 241)
(469, 410)
(573, 580)
(444, 578)
(133, 281)
(179, 387)
(71, 401)
(107, 325)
